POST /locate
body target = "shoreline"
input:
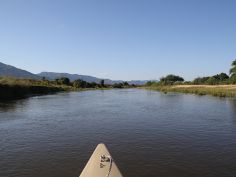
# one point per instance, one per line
(14, 92)
(213, 90)
(9, 93)
(15, 88)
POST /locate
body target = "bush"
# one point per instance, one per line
(200, 80)
(212, 81)
(232, 79)
(149, 83)
(221, 77)
(80, 83)
(63, 81)
(118, 85)
(172, 78)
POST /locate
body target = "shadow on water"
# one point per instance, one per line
(233, 107)
(7, 106)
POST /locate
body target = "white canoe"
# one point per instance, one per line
(101, 164)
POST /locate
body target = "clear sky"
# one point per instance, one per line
(119, 39)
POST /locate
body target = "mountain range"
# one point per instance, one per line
(8, 70)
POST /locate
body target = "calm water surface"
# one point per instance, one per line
(149, 134)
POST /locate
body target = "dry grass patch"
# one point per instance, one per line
(214, 90)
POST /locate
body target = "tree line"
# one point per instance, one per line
(79, 83)
(221, 78)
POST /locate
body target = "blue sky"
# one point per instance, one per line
(119, 39)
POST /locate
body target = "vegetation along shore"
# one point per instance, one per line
(15, 88)
(221, 85)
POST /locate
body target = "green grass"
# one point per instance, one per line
(219, 90)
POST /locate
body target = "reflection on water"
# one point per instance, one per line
(7, 106)
(232, 102)
(148, 133)
(12, 105)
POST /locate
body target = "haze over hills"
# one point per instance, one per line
(72, 77)
(8, 70)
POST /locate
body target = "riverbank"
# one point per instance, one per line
(12, 88)
(15, 88)
(214, 90)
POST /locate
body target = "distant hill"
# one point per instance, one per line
(8, 70)
(72, 77)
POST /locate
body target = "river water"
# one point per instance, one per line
(149, 134)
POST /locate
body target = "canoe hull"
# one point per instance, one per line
(101, 164)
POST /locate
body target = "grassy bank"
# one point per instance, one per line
(214, 90)
(15, 88)
(12, 88)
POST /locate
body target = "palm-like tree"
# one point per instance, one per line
(233, 69)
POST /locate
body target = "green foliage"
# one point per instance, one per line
(234, 63)
(102, 83)
(187, 83)
(125, 83)
(94, 85)
(171, 79)
(200, 80)
(83, 84)
(63, 81)
(14, 88)
(149, 83)
(233, 79)
(212, 81)
(221, 77)
(79, 83)
(118, 85)
(233, 69)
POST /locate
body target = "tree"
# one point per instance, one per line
(92, 85)
(63, 81)
(118, 85)
(232, 79)
(169, 79)
(149, 83)
(80, 83)
(212, 81)
(102, 83)
(125, 83)
(233, 69)
(200, 80)
(221, 77)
